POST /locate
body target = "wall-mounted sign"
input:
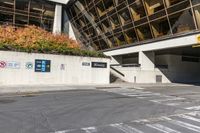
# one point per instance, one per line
(42, 65)
(29, 65)
(62, 67)
(99, 64)
(2, 64)
(13, 65)
(85, 63)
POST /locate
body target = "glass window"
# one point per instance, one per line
(36, 8)
(137, 10)
(109, 5)
(173, 2)
(6, 19)
(144, 32)
(21, 20)
(154, 6)
(120, 40)
(125, 16)
(182, 22)
(35, 21)
(103, 44)
(114, 21)
(197, 15)
(160, 27)
(112, 41)
(194, 2)
(47, 24)
(100, 8)
(130, 36)
(7, 4)
(48, 10)
(22, 6)
(179, 6)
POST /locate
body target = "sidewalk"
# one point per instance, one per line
(64, 87)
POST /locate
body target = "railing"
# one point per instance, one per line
(126, 65)
(117, 71)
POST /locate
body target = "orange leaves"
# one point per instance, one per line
(30, 36)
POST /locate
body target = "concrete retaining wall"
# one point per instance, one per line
(17, 68)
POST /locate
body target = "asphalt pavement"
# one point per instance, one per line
(147, 109)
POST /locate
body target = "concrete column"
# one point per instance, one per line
(57, 26)
(147, 60)
(68, 27)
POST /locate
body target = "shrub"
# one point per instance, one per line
(33, 39)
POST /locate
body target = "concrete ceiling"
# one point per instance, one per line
(180, 51)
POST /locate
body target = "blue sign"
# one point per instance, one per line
(42, 65)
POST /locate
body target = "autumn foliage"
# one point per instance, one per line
(33, 39)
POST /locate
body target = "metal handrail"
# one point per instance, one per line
(117, 71)
(127, 65)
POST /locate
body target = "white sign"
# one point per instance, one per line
(13, 65)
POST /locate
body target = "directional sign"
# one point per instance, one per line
(42, 65)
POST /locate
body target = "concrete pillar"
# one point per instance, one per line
(57, 26)
(147, 60)
(68, 27)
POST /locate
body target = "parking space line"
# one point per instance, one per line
(162, 128)
(193, 108)
(168, 99)
(90, 129)
(183, 124)
(126, 128)
(189, 118)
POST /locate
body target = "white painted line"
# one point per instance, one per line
(162, 128)
(183, 124)
(193, 108)
(138, 88)
(90, 130)
(173, 104)
(148, 94)
(189, 118)
(126, 128)
(64, 131)
(168, 99)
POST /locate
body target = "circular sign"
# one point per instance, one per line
(29, 65)
(2, 64)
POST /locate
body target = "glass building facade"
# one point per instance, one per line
(105, 24)
(27, 12)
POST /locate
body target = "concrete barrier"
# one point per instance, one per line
(18, 68)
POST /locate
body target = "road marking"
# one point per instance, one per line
(64, 131)
(138, 88)
(90, 130)
(126, 128)
(189, 118)
(168, 99)
(173, 104)
(183, 124)
(142, 95)
(193, 108)
(162, 128)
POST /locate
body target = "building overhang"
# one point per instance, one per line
(60, 1)
(176, 42)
